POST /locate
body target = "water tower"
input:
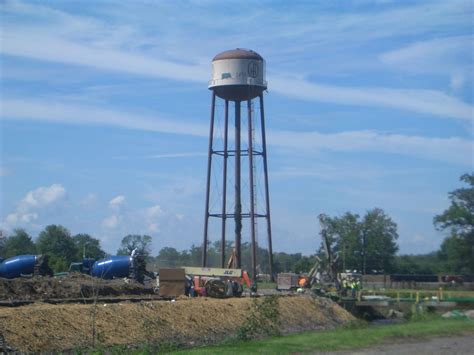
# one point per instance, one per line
(238, 76)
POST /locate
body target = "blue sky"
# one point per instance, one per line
(105, 111)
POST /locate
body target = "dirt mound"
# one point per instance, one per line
(75, 285)
(42, 327)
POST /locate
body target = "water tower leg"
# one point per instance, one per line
(252, 197)
(208, 183)
(267, 193)
(238, 201)
(224, 183)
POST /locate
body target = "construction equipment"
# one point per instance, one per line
(287, 281)
(133, 266)
(323, 273)
(217, 282)
(23, 265)
(84, 266)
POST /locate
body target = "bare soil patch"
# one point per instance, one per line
(185, 322)
(75, 285)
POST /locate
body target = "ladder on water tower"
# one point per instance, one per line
(254, 169)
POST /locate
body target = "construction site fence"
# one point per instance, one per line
(427, 282)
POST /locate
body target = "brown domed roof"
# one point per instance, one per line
(238, 53)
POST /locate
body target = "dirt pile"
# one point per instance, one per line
(74, 285)
(42, 327)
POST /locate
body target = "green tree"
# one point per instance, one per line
(379, 236)
(304, 264)
(367, 244)
(57, 243)
(3, 240)
(418, 264)
(457, 250)
(134, 241)
(195, 255)
(87, 246)
(284, 262)
(169, 257)
(18, 243)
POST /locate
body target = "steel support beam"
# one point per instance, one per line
(238, 199)
(208, 182)
(252, 195)
(224, 183)
(267, 192)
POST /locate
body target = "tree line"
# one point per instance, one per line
(365, 243)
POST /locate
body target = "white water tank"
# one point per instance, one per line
(238, 75)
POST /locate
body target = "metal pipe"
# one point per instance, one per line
(208, 183)
(267, 193)
(238, 200)
(252, 196)
(224, 184)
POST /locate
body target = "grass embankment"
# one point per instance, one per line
(342, 339)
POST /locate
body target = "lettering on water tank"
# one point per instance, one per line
(253, 69)
(226, 76)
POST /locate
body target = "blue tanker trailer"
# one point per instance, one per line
(113, 267)
(25, 265)
(133, 266)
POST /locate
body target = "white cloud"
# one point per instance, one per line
(151, 216)
(454, 150)
(110, 222)
(433, 55)
(29, 208)
(42, 196)
(154, 212)
(100, 49)
(50, 48)
(57, 112)
(117, 201)
(457, 81)
(421, 101)
(18, 218)
(153, 227)
(90, 199)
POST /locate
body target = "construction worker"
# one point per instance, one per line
(353, 289)
(302, 282)
(345, 286)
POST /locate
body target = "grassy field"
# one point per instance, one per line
(342, 339)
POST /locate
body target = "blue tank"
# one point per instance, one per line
(87, 265)
(17, 266)
(112, 267)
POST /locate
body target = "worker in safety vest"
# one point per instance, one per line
(302, 282)
(355, 285)
(345, 286)
(353, 289)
